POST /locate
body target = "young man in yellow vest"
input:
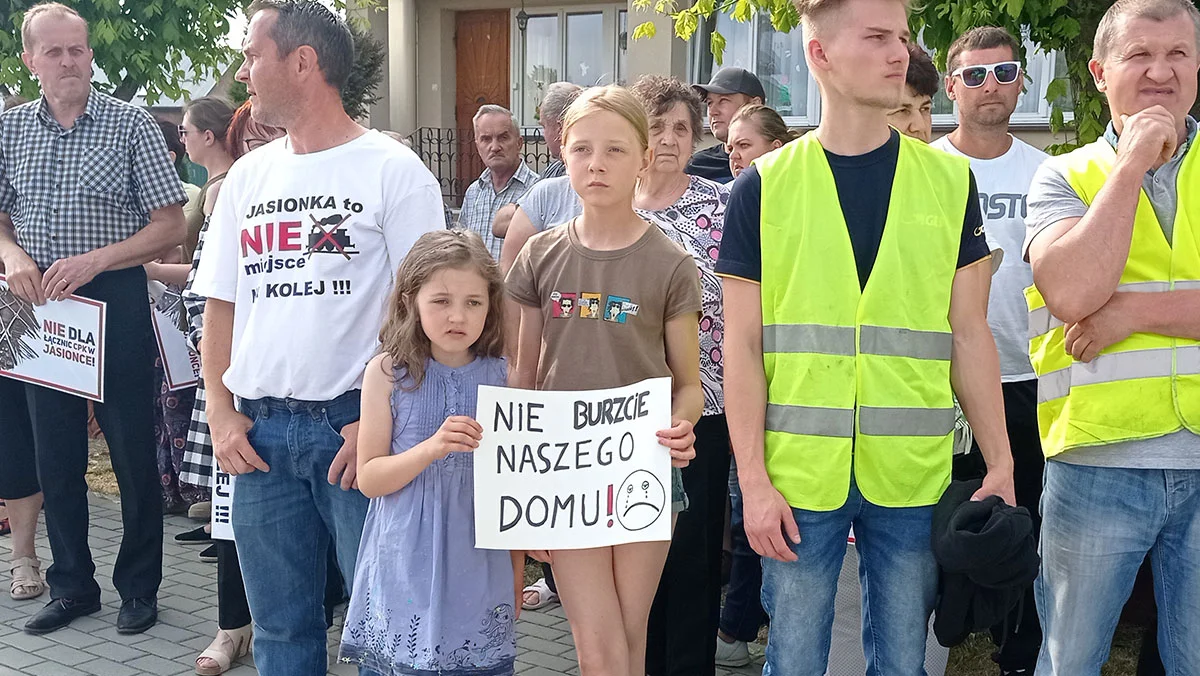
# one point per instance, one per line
(1114, 324)
(843, 340)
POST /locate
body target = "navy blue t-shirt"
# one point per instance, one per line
(864, 186)
(711, 163)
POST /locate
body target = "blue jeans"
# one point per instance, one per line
(899, 583)
(743, 613)
(1098, 523)
(283, 521)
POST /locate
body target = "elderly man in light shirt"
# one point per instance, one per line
(505, 178)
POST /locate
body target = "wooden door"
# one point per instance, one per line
(482, 50)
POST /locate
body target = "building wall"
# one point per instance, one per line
(434, 57)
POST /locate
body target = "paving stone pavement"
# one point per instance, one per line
(187, 620)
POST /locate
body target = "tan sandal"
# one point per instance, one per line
(27, 582)
(225, 648)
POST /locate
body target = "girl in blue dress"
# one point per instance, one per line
(426, 601)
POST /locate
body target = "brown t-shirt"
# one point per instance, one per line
(604, 312)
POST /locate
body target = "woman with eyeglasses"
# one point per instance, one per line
(205, 124)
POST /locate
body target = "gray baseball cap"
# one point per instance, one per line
(732, 81)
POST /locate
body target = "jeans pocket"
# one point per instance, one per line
(333, 429)
(255, 414)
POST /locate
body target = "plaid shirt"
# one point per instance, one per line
(482, 202)
(71, 191)
(555, 169)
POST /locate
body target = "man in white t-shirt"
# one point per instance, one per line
(298, 261)
(985, 81)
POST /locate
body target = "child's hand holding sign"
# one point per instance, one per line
(458, 434)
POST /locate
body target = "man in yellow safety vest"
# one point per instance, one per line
(1114, 327)
(856, 281)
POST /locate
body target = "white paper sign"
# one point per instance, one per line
(181, 364)
(222, 504)
(571, 470)
(59, 345)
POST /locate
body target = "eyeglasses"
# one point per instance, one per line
(182, 133)
(1006, 72)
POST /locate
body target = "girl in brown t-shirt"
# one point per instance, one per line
(608, 300)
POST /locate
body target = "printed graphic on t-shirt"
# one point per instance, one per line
(1003, 205)
(589, 306)
(617, 308)
(564, 304)
(328, 235)
(273, 248)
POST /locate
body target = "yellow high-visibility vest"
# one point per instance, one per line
(1147, 385)
(859, 377)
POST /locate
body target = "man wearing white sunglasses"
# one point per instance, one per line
(985, 81)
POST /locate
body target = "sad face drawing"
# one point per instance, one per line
(641, 500)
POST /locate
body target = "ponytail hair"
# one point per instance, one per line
(768, 122)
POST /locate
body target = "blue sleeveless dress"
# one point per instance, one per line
(426, 601)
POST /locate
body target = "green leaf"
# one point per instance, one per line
(686, 24)
(1015, 7)
(785, 18)
(717, 47)
(742, 11)
(705, 8)
(646, 29)
(1056, 89)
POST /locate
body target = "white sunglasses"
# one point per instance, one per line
(1006, 72)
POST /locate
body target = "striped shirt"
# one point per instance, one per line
(71, 191)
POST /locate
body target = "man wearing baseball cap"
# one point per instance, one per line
(725, 94)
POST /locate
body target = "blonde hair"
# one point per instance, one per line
(402, 337)
(1108, 32)
(813, 13)
(768, 122)
(613, 99)
(48, 8)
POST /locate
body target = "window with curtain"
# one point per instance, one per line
(542, 62)
(580, 44)
(777, 58)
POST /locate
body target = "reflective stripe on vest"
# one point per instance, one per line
(873, 420)
(1115, 366)
(1110, 368)
(885, 341)
(1042, 322)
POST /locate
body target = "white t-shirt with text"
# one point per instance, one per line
(306, 246)
(1003, 194)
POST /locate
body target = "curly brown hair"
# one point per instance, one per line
(660, 93)
(402, 337)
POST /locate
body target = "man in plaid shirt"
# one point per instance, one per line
(87, 195)
(503, 181)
